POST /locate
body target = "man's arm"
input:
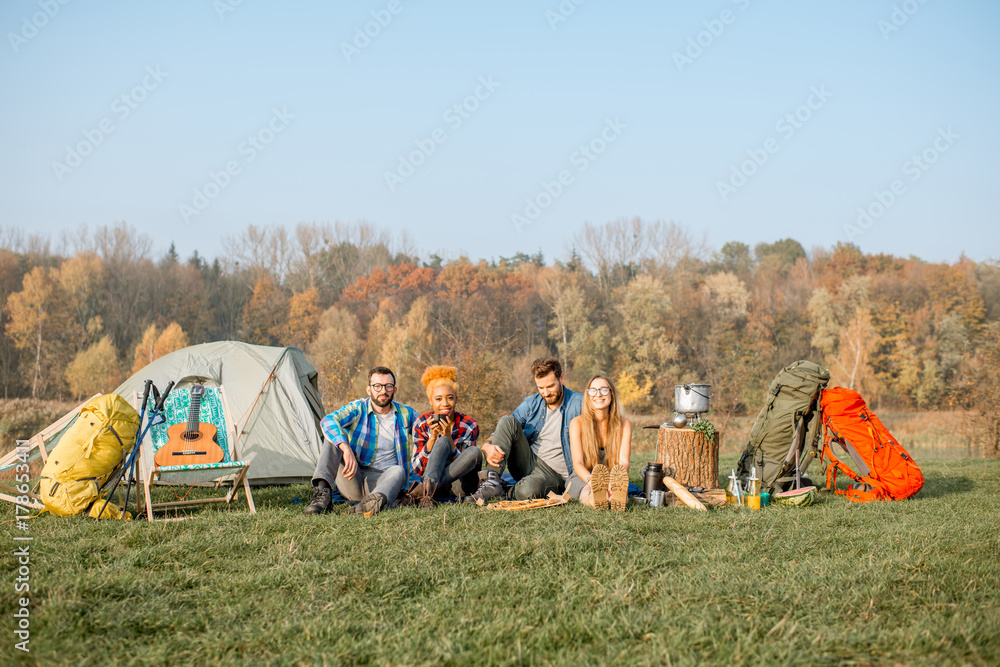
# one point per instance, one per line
(340, 422)
(522, 413)
(336, 426)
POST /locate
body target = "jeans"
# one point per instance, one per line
(388, 482)
(575, 486)
(534, 477)
(464, 469)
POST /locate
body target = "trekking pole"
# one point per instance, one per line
(127, 460)
(156, 413)
(798, 475)
(133, 459)
(157, 418)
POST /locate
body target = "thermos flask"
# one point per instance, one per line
(652, 484)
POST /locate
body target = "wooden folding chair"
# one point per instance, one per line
(214, 410)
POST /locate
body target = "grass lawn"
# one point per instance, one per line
(913, 582)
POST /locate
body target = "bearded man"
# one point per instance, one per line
(366, 447)
(533, 442)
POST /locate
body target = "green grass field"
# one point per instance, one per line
(912, 582)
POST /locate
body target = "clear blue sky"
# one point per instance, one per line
(886, 97)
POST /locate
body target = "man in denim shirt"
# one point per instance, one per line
(533, 443)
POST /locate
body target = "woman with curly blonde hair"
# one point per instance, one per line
(600, 440)
(444, 439)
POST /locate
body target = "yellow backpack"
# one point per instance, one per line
(87, 455)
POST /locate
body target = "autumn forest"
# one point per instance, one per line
(646, 303)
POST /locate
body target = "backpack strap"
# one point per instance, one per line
(878, 491)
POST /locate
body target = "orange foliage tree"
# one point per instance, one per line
(42, 327)
(95, 370)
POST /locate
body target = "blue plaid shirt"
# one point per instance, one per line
(355, 424)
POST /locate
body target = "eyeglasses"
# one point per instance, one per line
(594, 391)
(379, 387)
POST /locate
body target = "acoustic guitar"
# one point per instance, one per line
(191, 443)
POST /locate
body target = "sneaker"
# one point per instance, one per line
(488, 489)
(372, 504)
(619, 488)
(321, 500)
(599, 486)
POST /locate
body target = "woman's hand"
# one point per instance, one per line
(447, 427)
(437, 428)
(432, 435)
(441, 427)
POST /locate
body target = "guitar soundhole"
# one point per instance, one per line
(191, 436)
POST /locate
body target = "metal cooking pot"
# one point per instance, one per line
(691, 398)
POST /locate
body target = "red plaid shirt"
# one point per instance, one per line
(464, 434)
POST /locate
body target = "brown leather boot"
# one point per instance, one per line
(427, 500)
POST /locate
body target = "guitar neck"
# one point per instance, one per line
(194, 411)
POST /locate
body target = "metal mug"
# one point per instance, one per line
(656, 498)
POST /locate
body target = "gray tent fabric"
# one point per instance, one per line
(279, 431)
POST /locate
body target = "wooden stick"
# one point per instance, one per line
(32, 504)
(184, 503)
(683, 494)
(11, 489)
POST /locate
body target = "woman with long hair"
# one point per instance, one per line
(600, 440)
(444, 439)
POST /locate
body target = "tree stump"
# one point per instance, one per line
(693, 457)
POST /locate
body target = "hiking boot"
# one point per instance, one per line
(619, 488)
(372, 504)
(488, 489)
(427, 501)
(321, 500)
(599, 486)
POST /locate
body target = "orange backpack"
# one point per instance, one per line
(886, 471)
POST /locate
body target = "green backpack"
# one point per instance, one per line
(788, 423)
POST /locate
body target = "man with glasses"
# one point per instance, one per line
(366, 445)
(533, 442)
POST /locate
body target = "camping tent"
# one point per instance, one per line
(272, 395)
